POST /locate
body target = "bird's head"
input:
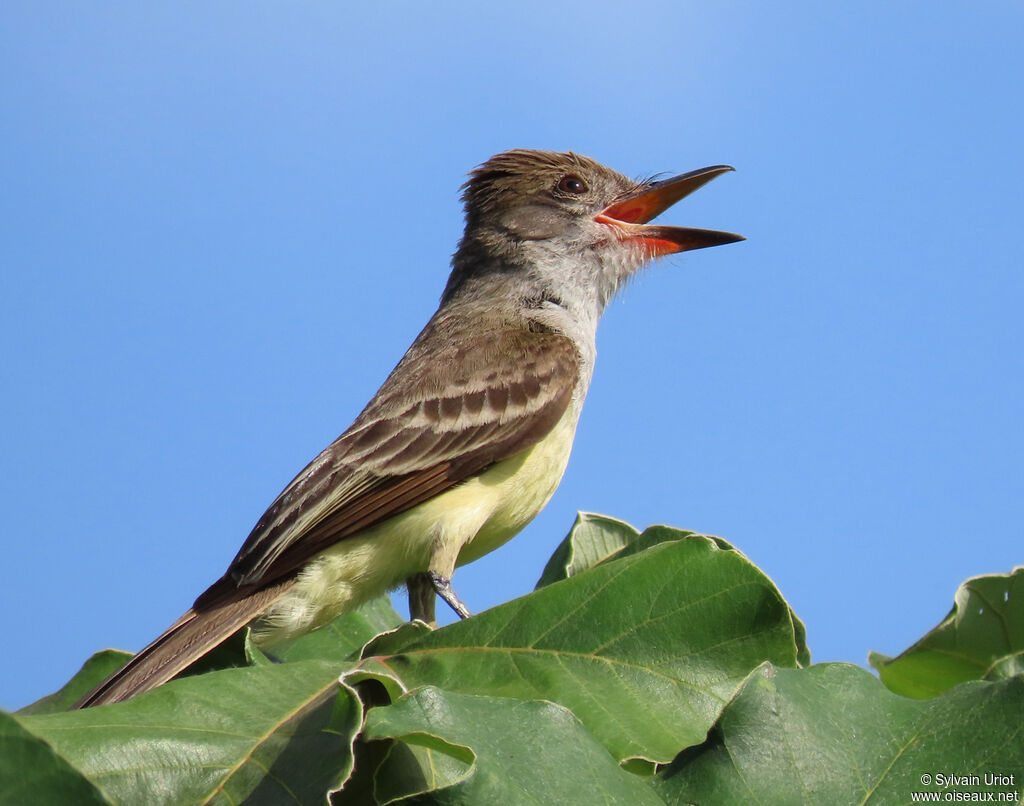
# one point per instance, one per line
(565, 218)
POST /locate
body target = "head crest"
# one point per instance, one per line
(522, 172)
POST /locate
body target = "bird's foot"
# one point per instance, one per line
(443, 587)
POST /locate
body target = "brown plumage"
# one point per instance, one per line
(403, 449)
(469, 436)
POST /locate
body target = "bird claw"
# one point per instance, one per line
(443, 587)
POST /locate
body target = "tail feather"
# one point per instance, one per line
(189, 638)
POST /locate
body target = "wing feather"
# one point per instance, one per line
(445, 414)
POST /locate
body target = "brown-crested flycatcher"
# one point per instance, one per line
(469, 436)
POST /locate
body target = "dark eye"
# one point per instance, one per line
(571, 184)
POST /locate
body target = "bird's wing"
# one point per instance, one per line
(446, 413)
(451, 408)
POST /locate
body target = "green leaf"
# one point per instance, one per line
(32, 773)
(266, 734)
(467, 749)
(645, 650)
(595, 539)
(254, 656)
(653, 535)
(1009, 666)
(93, 672)
(345, 636)
(658, 533)
(591, 539)
(834, 734)
(985, 625)
(422, 763)
(394, 641)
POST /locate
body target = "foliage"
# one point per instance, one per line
(659, 667)
(982, 638)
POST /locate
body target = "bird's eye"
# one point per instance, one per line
(571, 184)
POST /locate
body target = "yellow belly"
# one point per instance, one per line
(452, 529)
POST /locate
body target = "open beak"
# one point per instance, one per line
(629, 216)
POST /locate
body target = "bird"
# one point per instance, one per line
(469, 436)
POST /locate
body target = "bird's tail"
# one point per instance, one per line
(216, 616)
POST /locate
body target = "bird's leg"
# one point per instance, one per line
(422, 596)
(443, 587)
(424, 588)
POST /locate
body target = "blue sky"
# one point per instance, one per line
(223, 223)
